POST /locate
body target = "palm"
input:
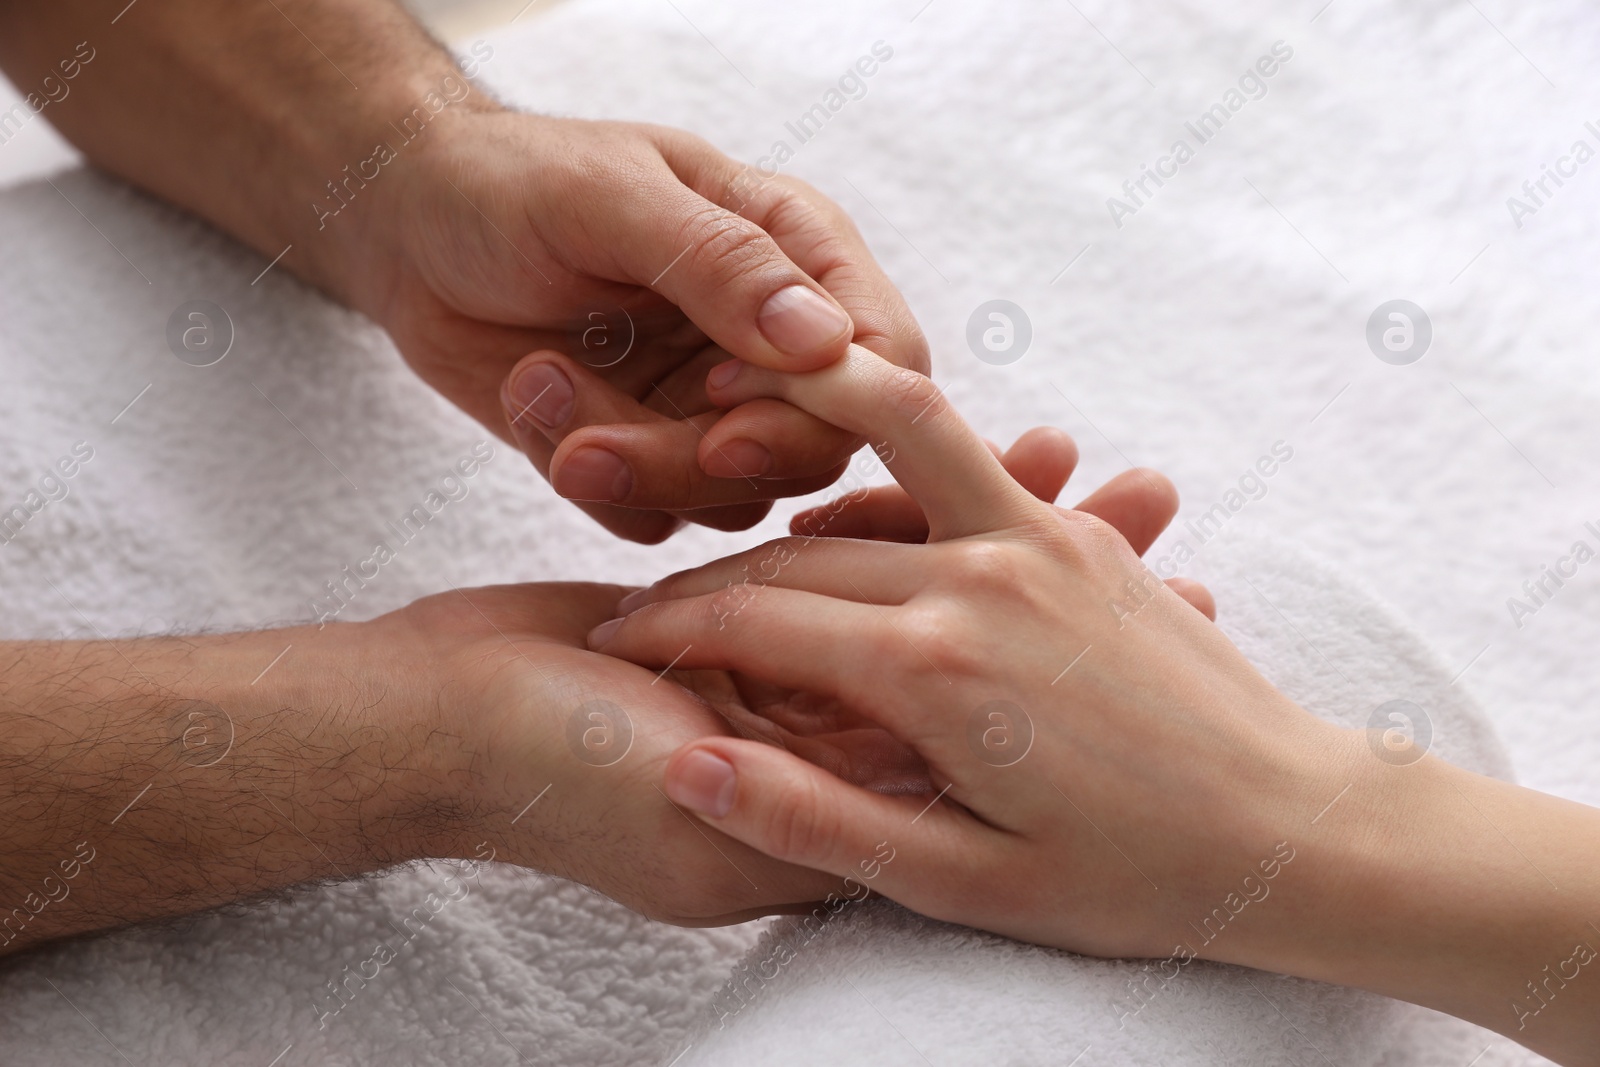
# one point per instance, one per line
(466, 309)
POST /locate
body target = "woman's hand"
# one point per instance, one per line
(829, 734)
(1028, 656)
(528, 706)
(1138, 504)
(1114, 778)
(628, 259)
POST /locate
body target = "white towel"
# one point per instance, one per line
(978, 164)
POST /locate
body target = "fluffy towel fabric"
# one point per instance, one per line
(978, 165)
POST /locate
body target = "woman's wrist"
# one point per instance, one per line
(1428, 883)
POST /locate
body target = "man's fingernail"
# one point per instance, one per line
(722, 375)
(704, 783)
(544, 392)
(738, 458)
(594, 474)
(633, 601)
(602, 633)
(798, 321)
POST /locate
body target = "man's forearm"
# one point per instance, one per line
(270, 118)
(151, 778)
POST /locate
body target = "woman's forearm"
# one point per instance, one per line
(1459, 892)
(264, 117)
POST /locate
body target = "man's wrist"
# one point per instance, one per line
(322, 732)
(201, 771)
(250, 118)
(344, 207)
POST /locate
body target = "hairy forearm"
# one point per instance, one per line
(248, 114)
(152, 778)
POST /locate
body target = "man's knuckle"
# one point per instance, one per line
(724, 243)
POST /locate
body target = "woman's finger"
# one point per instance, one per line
(1041, 460)
(933, 454)
(882, 513)
(782, 806)
(1139, 503)
(761, 439)
(787, 637)
(833, 567)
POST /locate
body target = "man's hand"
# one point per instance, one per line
(629, 260)
(337, 139)
(554, 753)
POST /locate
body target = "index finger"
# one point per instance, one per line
(931, 451)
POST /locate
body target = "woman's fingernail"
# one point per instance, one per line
(544, 392)
(594, 474)
(797, 320)
(702, 782)
(633, 601)
(738, 458)
(722, 375)
(602, 633)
